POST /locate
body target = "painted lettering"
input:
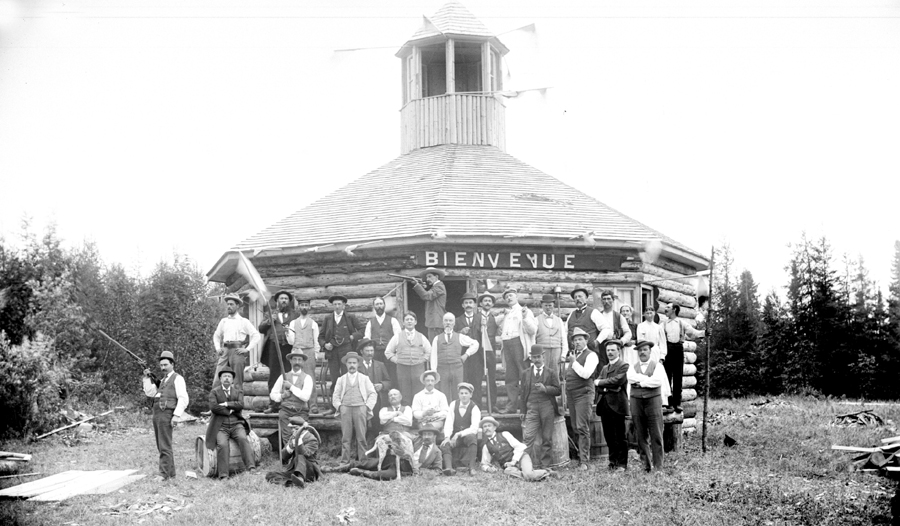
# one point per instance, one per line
(431, 258)
(567, 261)
(533, 259)
(478, 259)
(494, 260)
(514, 260)
(552, 261)
(460, 259)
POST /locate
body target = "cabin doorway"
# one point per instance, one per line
(455, 290)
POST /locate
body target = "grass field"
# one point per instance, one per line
(780, 472)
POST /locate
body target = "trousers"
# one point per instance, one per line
(408, 380)
(353, 421)
(514, 356)
(614, 432)
(581, 402)
(474, 374)
(451, 376)
(461, 456)
(648, 426)
(162, 428)
(236, 431)
(539, 421)
(675, 370)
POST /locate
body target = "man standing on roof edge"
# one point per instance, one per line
(435, 296)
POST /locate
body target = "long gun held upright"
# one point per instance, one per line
(138, 359)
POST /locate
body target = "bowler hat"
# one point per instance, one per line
(362, 344)
(643, 343)
(351, 354)
(337, 297)
(430, 428)
(280, 292)
(224, 370)
(430, 372)
(536, 350)
(548, 298)
(300, 354)
(486, 295)
(489, 419)
(233, 297)
(578, 331)
(465, 385)
(467, 296)
(431, 270)
(167, 355)
(586, 292)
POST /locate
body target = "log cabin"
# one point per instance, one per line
(454, 199)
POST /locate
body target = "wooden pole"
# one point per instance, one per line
(709, 318)
(274, 338)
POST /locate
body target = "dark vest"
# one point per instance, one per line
(168, 398)
(575, 382)
(464, 421)
(584, 321)
(449, 353)
(535, 396)
(642, 392)
(501, 452)
(382, 333)
(288, 400)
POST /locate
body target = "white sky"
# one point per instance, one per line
(192, 125)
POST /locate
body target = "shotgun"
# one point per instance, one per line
(138, 359)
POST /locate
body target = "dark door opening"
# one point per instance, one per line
(455, 290)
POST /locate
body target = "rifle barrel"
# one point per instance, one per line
(401, 276)
(110, 338)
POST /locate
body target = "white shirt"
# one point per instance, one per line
(607, 327)
(518, 450)
(512, 323)
(456, 409)
(301, 323)
(595, 317)
(180, 392)
(464, 340)
(234, 328)
(648, 382)
(653, 332)
(389, 414)
(424, 400)
(590, 364)
(395, 325)
(303, 393)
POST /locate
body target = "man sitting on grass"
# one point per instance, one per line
(503, 451)
(300, 451)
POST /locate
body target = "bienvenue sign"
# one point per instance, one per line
(525, 260)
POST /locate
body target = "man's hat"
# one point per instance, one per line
(489, 419)
(536, 350)
(431, 270)
(486, 295)
(292, 354)
(643, 343)
(168, 355)
(234, 297)
(548, 298)
(586, 293)
(465, 385)
(362, 344)
(509, 290)
(297, 420)
(224, 370)
(337, 297)
(349, 355)
(467, 296)
(282, 291)
(618, 343)
(578, 331)
(298, 299)
(430, 428)
(430, 372)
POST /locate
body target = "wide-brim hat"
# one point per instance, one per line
(168, 355)
(351, 354)
(536, 350)
(548, 298)
(224, 370)
(234, 297)
(465, 385)
(643, 343)
(486, 295)
(617, 342)
(430, 428)
(280, 292)
(586, 292)
(578, 331)
(300, 354)
(431, 270)
(341, 297)
(489, 419)
(362, 344)
(437, 376)
(468, 296)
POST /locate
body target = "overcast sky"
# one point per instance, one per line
(187, 127)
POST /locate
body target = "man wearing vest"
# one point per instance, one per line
(301, 466)
(580, 393)
(277, 348)
(517, 332)
(435, 297)
(339, 331)
(486, 331)
(292, 390)
(303, 335)
(396, 416)
(377, 372)
(538, 407)
(585, 317)
(409, 350)
(613, 406)
(381, 328)
(354, 399)
(676, 330)
(612, 325)
(460, 446)
(503, 451)
(550, 332)
(227, 422)
(170, 399)
(645, 379)
(229, 340)
(448, 357)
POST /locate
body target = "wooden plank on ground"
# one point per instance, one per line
(6, 455)
(893, 468)
(891, 439)
(852, 448)
(82, 484)
(36, 487)
(115, 484)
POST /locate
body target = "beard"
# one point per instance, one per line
(304, 311)
(379, 311)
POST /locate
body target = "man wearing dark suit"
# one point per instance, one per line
(486, 331)
(378, 373)
(338, 333)
(613, 405)
(279, 346)
(538, 407)
(226, 403)
(300, 451)
(435, 297)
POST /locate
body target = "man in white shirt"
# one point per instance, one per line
(292, 391)
(396, 416)
(517, 332)
(170, 399)
(551, 333)
(231, 333)
(580, 393)
(645, 378)
(649, 330)
(381, 328)
(430, 405)
(460, 446)
(612, 325)
(303, 336)
(447, 356)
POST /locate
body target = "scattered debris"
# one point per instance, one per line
(769, 402)
(883, 458)
(159, 508)
(12, 462)
(723, 416)
(191, 474)
(730, 442)
(866, 417)
(347, 516)
(63, 428)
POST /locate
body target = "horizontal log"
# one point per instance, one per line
(256, 388)
(367, 290)
(690, 409)
(300, 280)
(673, 418)
(671, 296)
(690, 357)
(689, 369)
(688, 382)
(333, 262)
(688, 394)
(689, 422)
(673, 266)
(256, 403)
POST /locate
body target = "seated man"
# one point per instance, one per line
(428, 454)
(392, 451)
(461, 431)
(503, 451)
(292, 392)
(396, 416)
(300, 451)
(227, 422)
(430, 405)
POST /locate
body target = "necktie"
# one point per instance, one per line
(227, 394)
(447, 336)
(423, 453)
(537, 372)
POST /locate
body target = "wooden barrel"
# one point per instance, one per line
(206, 458)
(599, 450)
(560, 449)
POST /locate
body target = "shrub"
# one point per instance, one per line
(31, 381)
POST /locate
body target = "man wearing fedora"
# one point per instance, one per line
(278, 346)
(487, 332)
(434, 293)
(292, 390)
(354, 399)
(551, 333)
(227, 422)
(580, 393)
(538, 406)
(303, 335)
(430, 405)
(378, 374)
(381, 328)
(503, 451)
(645, 378)
(428, 454)
(460, 446)
(339, 332)
(449, 352)
(517, 332)
(301, 466)
(613, 405)
(170, 399)
(229, 340)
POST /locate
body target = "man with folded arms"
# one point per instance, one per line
(430, 405)
(396, 416)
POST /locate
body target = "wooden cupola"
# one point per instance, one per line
(451, 77)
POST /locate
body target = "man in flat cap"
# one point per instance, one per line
(487, 332)
(517, 332)
(292, 391)
(580, 393)
(460, 446)
(538, 407)
(381, 329)
(354, 399)
(551, 332)
(613, 405)
(450, 350)
(226, 403)
(170, 399)
(645, 378)
(303, 336)
(430, 405)
(276, 347)
(378, 374)
(434, 292)
(503, 451)
(233, 338)
(300, 451)
(339, 332)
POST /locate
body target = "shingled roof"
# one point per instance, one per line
(452, 19)
(475, 192)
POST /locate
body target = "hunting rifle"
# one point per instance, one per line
(138, 359)
(407, 278)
